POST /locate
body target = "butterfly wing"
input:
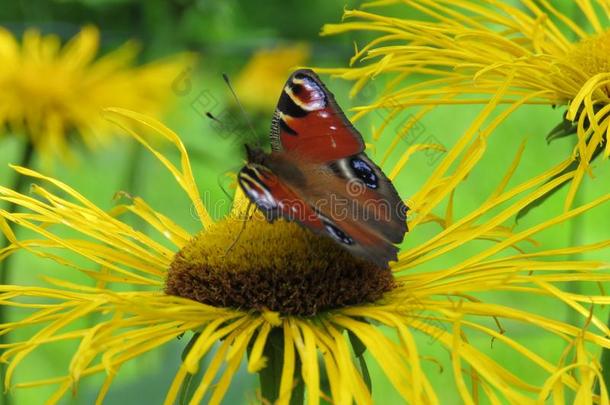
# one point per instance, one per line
(360, 241)
(275, 198)
(360, 219)
(308, 121)
(319, 168)
(367, 222)
(309, 125)
(373, 198)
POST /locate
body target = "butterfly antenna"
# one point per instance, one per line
(223, 188)
(241, 107)
(243, 228)
(212, 117)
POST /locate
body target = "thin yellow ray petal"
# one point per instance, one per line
(136, 350)
(59, 393)
(528, 354)
(535, 229)
(601, 325)
(404, 132)
(256, 360)
(184, 177)
(177, 235)
(510, 172)
(377, 344)
(456, 362)
(423, 194)
(351, 385)
(339, 387)
(234, 358)
(99, 400)
(86, 352)
(587, 9)
(89, 254)
(45, 332)
(484, 309)
(306, 347)
(244, 338)
(494, 222)
(487, 368)
(586, 150)
(213, 369)
(204, 342)
(287, 379)
(212, 335)
(40, 383)
(92, 222)
(410, 345)
(553, 379)
(405, 157)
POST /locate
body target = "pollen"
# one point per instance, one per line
(280, 267)
(592, 55)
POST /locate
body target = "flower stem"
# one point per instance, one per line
(132, 173)
(18, 185)
(574, 287)
(270, 376)
(133, 178)
(605, 364)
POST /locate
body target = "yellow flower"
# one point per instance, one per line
(49, 92)
(267, 71)
(463, 52)
(260, 291)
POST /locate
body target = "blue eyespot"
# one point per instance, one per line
(365, 173)
(338, 234)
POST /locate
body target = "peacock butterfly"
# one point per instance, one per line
(318, 175)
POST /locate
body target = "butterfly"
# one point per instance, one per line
(318, 175)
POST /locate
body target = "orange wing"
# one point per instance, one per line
(309, 122)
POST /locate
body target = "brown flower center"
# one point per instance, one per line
(279, 267)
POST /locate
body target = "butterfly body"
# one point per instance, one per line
(319, 175)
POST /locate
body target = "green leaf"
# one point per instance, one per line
(359, 349)
(357, 345)
(187, 389)
(540, 200)
(605, 363)
(271, 375)
(189, 345)
(563, 129)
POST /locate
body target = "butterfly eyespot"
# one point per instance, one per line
(338, 234)
(316, 99)
(296, 88)
(365, 173)
(305, 93)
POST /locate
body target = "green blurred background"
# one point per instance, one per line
(225, 35)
